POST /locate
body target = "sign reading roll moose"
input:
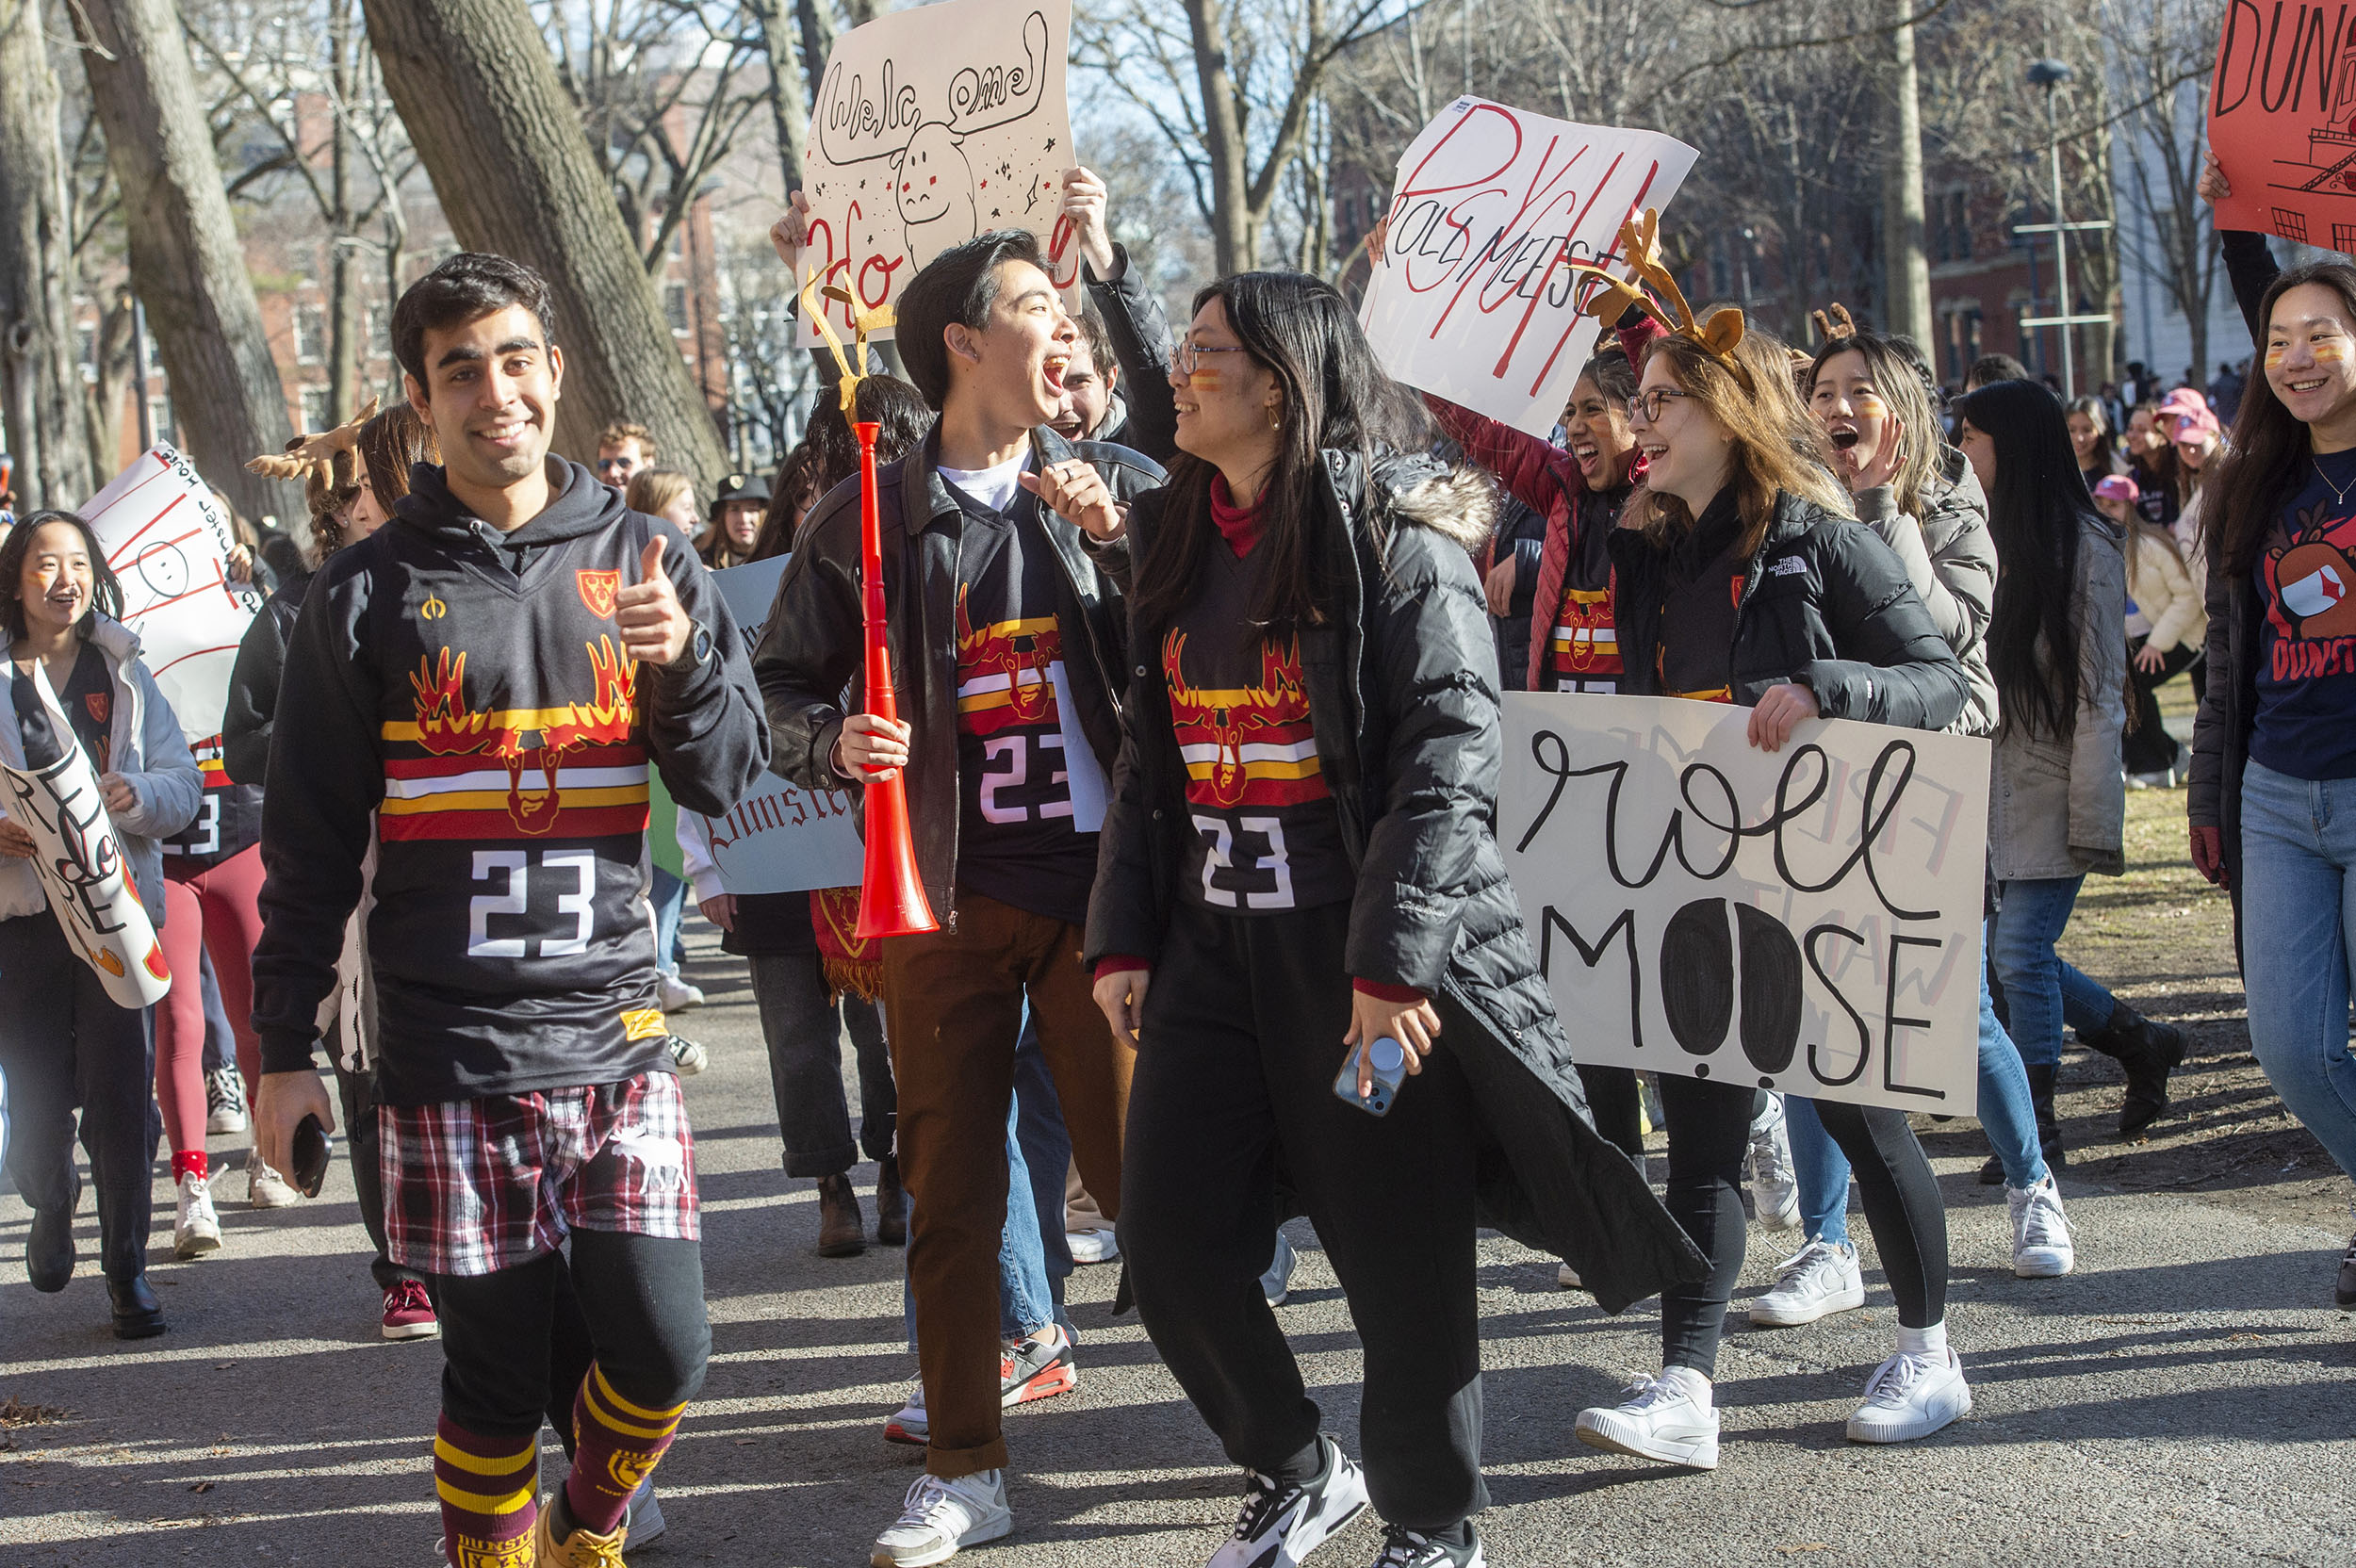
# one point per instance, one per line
(1805, 920)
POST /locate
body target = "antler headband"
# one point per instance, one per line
(1640, 238)
(1839, 328)
(306, 452)
(862, 323)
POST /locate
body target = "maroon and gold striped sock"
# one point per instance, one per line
(490, 1487)
(615, 1444)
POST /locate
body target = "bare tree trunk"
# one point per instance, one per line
(103, 398)
(187, 265)
(788, 107)
(504, 146)
(816, 20)
(1907, 275)
(1233, 237)
(345, 327)
(41, 388)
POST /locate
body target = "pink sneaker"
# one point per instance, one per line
(407, 1312)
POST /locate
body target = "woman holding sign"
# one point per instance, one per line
(1300, 903)
(1741, 581)
(1871, 395)
(63, 1041)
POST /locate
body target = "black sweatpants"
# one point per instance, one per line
(1242, 1037)
(356, 1088)
(2147, 746)
(64, 1043)
(1710, 1130)
(505, 1342)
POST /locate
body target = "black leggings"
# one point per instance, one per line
(1710, 1130)
(1612, 1101)
(506, 1346)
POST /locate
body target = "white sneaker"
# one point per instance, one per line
(909, 1424)
(1910, 1397)
(1667, 1418)
(1283, 1525)
(1819, 1280)
(263, 1187)
(1089, 1247)
(2040, 1233)
(1277, 1284)
(687, 1057)
(224, 1101)
(677, 995)
(196, 1229)
(1774, 1190)
(940, 1515)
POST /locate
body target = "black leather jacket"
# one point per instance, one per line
(815, 643)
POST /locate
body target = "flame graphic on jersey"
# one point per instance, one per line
(447, 726)
(1010, 649)
(1273, 715)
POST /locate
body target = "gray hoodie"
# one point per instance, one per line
(1950, 560)
(148, 749)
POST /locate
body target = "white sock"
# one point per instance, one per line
(1689, 1382)
(1930, 1343)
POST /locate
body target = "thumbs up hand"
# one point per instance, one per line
(655, 626)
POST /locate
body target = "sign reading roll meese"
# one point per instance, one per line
(1473, 299)
(1806, 920)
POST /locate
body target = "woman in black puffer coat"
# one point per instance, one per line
(1297, 863)
(1741, 580)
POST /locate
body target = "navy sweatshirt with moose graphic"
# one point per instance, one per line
(469, 687)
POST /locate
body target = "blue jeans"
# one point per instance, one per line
(669, 897)
(2298, 919)
(2041, 992)
(2011, 1122)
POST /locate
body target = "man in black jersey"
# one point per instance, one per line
(477, 692)
(1007, 641)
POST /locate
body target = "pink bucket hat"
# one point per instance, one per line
(2118, 488)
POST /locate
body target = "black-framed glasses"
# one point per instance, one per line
(1653, 403)
(1189, 356)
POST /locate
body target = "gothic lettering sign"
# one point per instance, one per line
(1807, 920)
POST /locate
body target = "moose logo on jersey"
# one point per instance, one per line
(1585, 641)
(435, 789)
(1003, 672)
(1249, 745)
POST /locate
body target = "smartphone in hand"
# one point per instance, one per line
(1389, 1060)
(312, 1147)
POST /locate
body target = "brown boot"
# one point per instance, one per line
(891, 1203)
(842, 1231)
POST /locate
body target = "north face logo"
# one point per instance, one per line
(1791, 565)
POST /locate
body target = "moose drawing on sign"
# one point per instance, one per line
(933, 185)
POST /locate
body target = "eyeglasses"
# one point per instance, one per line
(1653, 403)
(1189, 356)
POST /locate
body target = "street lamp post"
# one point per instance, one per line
(2050, 74)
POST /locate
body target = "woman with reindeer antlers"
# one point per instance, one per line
(1298, 876)
(1741, 580)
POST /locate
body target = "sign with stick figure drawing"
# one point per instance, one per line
(2283, 119)
(1805, 920)
(933, 126)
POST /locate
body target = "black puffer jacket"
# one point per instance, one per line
(1824, 603)
(815, 643)
(1403, 699)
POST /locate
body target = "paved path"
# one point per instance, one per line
(2188, 1397)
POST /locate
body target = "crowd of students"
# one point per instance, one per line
(1199, 640)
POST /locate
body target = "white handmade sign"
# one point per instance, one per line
(168, 540)
(82, 870)
(779, 839)
(932, 126)
(1473, 299)
(1806, 920)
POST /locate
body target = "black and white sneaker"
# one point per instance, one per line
(1281, 1524)
(1406, 1549)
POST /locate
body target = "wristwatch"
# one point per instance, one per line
(698, 649)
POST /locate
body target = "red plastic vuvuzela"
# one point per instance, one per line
(891, 900)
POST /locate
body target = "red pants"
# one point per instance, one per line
(214, 911)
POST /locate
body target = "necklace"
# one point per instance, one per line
(2340, 493)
